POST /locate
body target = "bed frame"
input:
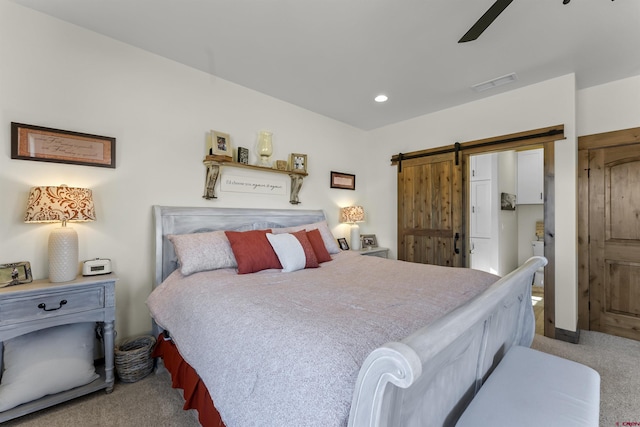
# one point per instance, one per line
(428, 378)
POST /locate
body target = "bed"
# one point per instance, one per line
(358, 341)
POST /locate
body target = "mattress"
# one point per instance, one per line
(284, 349)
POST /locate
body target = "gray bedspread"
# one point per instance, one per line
(284, 349)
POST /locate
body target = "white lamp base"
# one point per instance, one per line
(355, 237)
(63, 254)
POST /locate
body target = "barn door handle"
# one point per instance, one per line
(455, 243)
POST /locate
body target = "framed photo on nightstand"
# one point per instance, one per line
(368, 241)
(343, 244)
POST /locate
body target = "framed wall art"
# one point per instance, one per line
(220, 144)
(43, 144)
(343, 180)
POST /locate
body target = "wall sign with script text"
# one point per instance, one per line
(60, 146)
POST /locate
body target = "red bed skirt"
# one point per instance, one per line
(183, 376)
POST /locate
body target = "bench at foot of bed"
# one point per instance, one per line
(532, 388)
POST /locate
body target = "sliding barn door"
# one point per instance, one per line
(430, 210)
(614, 240)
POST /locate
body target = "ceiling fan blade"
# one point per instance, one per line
(485, 20)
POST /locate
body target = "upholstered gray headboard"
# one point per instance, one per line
(184, 220)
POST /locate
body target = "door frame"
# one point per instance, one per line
(519, 141)
(542, 137)
(585, 143)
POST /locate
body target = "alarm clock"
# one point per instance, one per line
(96, 266)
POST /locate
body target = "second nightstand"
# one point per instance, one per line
(379, 252)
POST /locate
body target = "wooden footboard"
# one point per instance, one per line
(429, 378)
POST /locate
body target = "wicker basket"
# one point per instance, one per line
(133, 358)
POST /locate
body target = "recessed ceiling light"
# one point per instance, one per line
(381, 98)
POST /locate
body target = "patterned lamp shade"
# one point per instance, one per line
(61, 204)
(352, 214)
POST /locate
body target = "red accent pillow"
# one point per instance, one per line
(309, 253)
(315, 238)
(252, 250)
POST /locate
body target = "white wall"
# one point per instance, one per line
(58, 75)
(608, 107)
(508, 220)
(545, 104)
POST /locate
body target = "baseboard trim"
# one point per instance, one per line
(568, 336)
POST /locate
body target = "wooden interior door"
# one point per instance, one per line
(430, 211)
(614, 240)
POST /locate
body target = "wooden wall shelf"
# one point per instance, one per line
(214, 163)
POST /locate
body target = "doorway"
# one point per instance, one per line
(453, 238)
(506, 215)
(609, 233)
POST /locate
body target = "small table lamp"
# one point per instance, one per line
(61, 204)
(352, 215)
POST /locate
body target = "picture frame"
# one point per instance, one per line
(507, 202)
(15, 273)
(343, 243)
(38, 143)
(346, 181)
(220, 144)
(298, 162)
(368, 241)
(243, 155)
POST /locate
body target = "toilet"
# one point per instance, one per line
(538, 250)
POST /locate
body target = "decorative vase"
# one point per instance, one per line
(265, 148)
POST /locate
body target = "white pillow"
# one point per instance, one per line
(289, 251)
(322, 226)
(203, 251)
(46, 362)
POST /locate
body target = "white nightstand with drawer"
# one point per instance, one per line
(42, 304)
(379, 252)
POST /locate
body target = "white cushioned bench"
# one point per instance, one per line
(532, 388)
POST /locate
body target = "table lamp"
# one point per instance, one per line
(61, 204)
(352, 215)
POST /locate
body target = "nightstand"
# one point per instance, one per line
(42, 304)
(379, 252)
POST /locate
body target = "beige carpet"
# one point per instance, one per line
(617, 360)
(151, 402)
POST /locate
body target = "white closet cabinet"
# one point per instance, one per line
(530, 177)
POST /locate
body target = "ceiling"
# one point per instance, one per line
(334, 56)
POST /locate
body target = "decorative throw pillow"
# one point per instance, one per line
(322, 255)
(327, 237)
(203, 251)
(291, 252)
(46, 362)
(252, 251)
(310, 255)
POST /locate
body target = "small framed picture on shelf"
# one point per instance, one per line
(343, 244)
(298, 162)
(369, 241)
(243, 155)
(220, 144)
